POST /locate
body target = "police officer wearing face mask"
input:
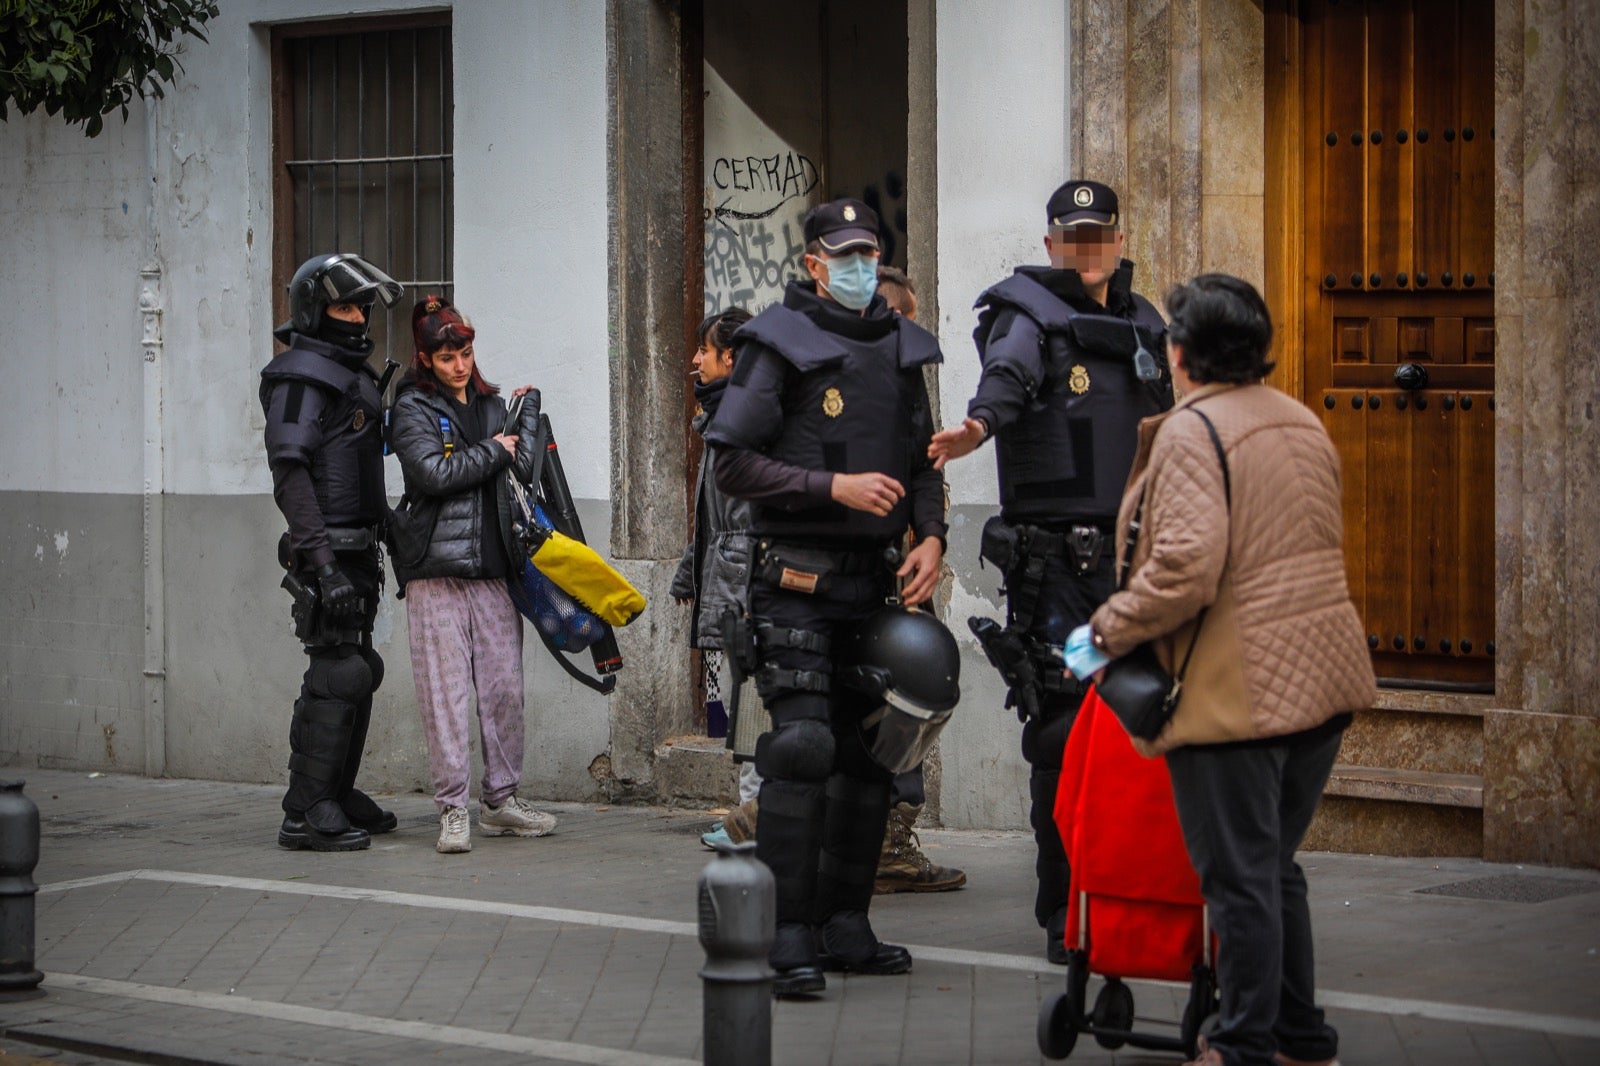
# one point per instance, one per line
(324, 407)
(1072, 358)
(824, 427)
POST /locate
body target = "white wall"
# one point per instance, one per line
(1002, 117)
(530, 252)
(531, 221)
(1002, 149)
(80, 218)
(72, 215)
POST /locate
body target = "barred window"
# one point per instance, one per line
(362, 159)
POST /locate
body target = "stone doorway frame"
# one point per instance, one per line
(655, 276)
(1143, 73)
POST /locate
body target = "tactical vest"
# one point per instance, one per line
(338, 435)
(852, 406)
(1066, 459)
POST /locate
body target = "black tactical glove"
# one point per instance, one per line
(339, 596)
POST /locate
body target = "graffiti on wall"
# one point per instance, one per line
(888, 199)
(749, 261)
(753, 245)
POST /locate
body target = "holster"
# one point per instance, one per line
(1000, 543)
(313, 626)
(744, 657)
(306, 608)
(1008, 652)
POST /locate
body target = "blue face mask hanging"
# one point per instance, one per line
(852, 280)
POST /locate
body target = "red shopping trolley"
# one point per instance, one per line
(1136, 909)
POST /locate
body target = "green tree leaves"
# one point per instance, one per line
(83, 59)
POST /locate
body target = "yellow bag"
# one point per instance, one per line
(580, 572)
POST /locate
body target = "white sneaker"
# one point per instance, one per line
(515, 818)
(455, 832)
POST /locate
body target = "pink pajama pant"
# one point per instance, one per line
(466, 635)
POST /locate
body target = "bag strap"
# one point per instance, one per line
(1138, 511)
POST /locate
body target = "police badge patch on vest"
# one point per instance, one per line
(832, 403)
(359, 420)
(1078, 379)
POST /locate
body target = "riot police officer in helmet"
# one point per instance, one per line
(1072, 359)
(824, 427)
(323, 406)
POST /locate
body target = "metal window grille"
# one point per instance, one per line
(365, 146)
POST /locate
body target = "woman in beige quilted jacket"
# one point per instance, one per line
(1280, 659)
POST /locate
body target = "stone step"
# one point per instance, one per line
(1424, 731)
(695, 771)
(1406, 786)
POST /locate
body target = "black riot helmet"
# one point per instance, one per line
(909, 661)
(337, 278)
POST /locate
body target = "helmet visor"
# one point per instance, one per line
(350, 279)
(899, 734)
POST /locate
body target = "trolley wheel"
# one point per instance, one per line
(1058, 1029)
(1113, 1009)
(1203, 1003)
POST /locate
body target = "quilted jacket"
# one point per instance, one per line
(1281, 648)
(454, 480)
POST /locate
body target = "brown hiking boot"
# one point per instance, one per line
(902, 867)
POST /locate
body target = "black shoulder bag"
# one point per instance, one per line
(1136, 687)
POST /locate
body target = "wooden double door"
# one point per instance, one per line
(1392, 111)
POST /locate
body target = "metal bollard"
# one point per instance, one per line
(738, 912)
(19, 854)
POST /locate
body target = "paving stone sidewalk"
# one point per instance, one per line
(173, 930)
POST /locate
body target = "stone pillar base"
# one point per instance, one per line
(1541, 788)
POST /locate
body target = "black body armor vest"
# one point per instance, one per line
(327, 415)
(1067, 458)
(850, 406)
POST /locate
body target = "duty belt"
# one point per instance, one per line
(846, 562)
(352, 538)
(1081, 545)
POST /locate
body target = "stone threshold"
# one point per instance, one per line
(1427, 701)
(1407, 786)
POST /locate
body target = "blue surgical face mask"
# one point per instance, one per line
(852, 280)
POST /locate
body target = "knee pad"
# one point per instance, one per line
(797, 751)
(374, 663)
(346, 678)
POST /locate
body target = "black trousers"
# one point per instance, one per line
(1066, 600)
(908, 787)
(824, 801)
(1244, 810)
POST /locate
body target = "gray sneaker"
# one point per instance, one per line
(514, 818)
(455, 832)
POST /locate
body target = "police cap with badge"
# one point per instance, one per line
(841, 226)
(1080, 202)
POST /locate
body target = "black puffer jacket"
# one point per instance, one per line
(454, 481)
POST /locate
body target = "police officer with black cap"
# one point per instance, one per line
(324, 407)
(824, 427)
(1073, 358)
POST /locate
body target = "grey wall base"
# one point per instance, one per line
(72, 596)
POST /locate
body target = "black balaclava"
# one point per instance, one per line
(351, 336)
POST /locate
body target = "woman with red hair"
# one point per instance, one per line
(449, 431)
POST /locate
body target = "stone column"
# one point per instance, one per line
(649, 514)
(1542, 749)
